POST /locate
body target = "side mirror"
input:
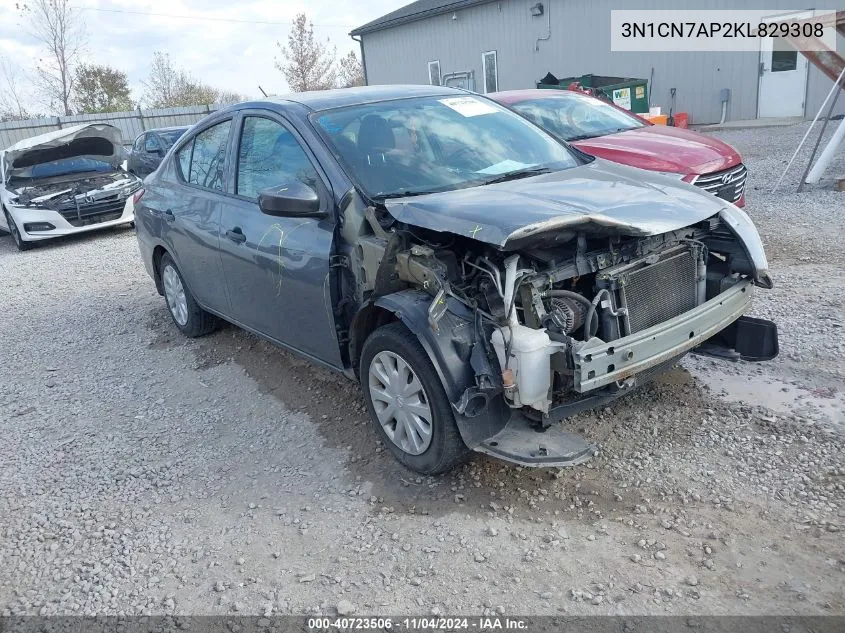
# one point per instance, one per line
(157, 152)
(293, 199)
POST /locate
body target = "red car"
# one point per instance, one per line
(607, 131)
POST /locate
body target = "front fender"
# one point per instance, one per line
(449, 350)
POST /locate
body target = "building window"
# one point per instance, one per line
(434, 73)
(490, 70)
(784, 57)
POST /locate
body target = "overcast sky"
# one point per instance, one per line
(231, 55)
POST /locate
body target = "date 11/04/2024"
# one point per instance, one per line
(419, 623)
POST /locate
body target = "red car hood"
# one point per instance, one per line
(662, 148)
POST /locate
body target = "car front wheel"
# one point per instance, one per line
(187, 314)
(407, 403)
(16, 234)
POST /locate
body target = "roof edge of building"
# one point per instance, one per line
(383, 23)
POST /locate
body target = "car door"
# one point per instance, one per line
(277, 268)
(188, 203)
(133, 163)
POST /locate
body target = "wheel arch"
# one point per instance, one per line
(411, 308)
(3, 217)
(367, 320)
(158, 254)
(449, 349)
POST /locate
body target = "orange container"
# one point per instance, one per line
(657, 119)
(681, 120)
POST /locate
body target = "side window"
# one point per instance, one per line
(269, 156)
(489, 63)
(434, 73)
(151, 144)
(209, 156)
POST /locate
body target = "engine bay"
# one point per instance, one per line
(59, 192)
(537, 311)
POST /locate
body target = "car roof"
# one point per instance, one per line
(172, 128)
(515, 96)
(326, 99)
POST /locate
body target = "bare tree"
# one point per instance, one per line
(168, 86)
(13, 95)
(58, 26)
(350, 72)
(307, 64)
(163, 83)
(228, 96)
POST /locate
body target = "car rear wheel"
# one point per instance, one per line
(188, 316)
(16, 234)
(407, 403)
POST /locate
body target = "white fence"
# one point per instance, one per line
(131, 124)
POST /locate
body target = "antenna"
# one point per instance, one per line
(262, 90)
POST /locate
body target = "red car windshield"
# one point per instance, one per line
(572, 116)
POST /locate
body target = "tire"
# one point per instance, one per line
(16, 235)
(444, 448)
(186, 313)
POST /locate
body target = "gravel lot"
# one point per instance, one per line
(141, 472)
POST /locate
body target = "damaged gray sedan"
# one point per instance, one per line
(481, 280)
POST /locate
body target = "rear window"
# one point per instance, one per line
(201, 160)
(169, 137)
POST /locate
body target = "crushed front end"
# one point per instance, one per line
(561, 319)
(65, 205)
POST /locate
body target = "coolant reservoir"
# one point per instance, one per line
(529, 359)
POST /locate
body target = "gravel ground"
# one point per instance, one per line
(141, 472)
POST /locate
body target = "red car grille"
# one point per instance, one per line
(728, 184)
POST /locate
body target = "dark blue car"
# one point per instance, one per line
(149, 148)
(481, 279)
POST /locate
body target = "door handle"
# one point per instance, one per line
(168, 216)
(236, 235)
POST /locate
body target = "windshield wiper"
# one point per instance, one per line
(517, 174)
(400, 194)
(582, 137)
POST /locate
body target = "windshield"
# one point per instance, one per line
(168, 137)
(572, 116)
(422, 145)
(62, 167)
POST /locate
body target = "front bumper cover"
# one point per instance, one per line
(31, 215)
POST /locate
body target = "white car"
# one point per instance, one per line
(65, 182)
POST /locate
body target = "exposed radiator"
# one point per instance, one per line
(655, 289)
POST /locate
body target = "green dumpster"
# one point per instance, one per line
(626, 92)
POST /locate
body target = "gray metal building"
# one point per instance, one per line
(486, 45)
